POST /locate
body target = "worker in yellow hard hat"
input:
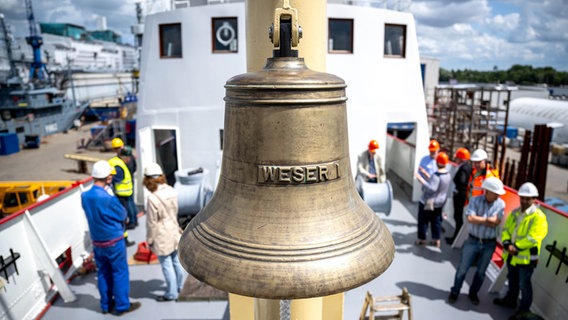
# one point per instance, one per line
(124, 152)
(117, 144)
(122, 180)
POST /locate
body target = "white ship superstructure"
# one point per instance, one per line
(61, 53)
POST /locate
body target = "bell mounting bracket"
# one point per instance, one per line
(285, 32)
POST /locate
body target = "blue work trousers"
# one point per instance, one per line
(432, 218)
(173, 274)
(520, 280)
(473, 250)
(130, 206)
(113, 277)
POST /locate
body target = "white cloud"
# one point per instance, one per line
(504, 23)
(447, 13)
(463, 29)
(526, 32)
(471, 34)
(120, 14)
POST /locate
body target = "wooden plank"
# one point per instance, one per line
(81, 157)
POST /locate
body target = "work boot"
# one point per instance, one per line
(505, 302)
(129, 243)
(133, 306)
(473, 298)
(452, 298)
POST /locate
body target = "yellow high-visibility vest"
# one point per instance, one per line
(529, 233)
(125, 187)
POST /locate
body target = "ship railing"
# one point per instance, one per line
(550, 277)
(400, 157)
(52, 241)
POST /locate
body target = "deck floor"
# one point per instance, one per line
(426, 272)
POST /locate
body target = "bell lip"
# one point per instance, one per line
(271, 294)
(268, 279)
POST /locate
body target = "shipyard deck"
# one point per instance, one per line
(426, 272)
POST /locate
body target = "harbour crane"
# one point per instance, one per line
(38, 71)
(8, 42)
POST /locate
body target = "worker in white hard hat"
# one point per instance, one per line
(484, 214)
(481, 171)
(522, 236)
(162, 229)
(106, 216)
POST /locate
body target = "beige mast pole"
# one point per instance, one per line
(312, 17)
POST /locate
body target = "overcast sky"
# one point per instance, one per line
(472, 34)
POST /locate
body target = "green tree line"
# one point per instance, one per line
(518, 74)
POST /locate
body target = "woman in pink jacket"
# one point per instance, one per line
(163, 231)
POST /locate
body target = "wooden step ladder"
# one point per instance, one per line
(391, 307)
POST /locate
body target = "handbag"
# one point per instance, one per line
(429, 205)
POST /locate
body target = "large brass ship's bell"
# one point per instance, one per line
(286, 221)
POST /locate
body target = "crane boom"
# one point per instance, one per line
(38, 70)
(8, 41)
(31, 19)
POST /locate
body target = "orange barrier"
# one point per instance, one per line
(511, 203)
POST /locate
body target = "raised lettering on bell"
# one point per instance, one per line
(315, 173)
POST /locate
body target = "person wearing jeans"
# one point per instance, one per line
(434, 194)
(171, 268)
(522, 236)
(484, 214)
(163, 231)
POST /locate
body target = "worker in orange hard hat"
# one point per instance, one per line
(433, 146)
(461, 178)
(428, 163)
(434, 194)
(369, 164)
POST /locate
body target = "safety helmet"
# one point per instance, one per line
(373, 145)
(153, 169)
(479, 155)
(494, 185)
(442, 158)
(433, 146)
(102, 169)
(117, 143)
(528, 189)
(462, 153)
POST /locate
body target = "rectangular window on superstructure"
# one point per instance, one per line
(170, 40)
(340, 36)
(224, 37)
(395, 41)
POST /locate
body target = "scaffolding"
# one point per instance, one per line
(472, 117)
